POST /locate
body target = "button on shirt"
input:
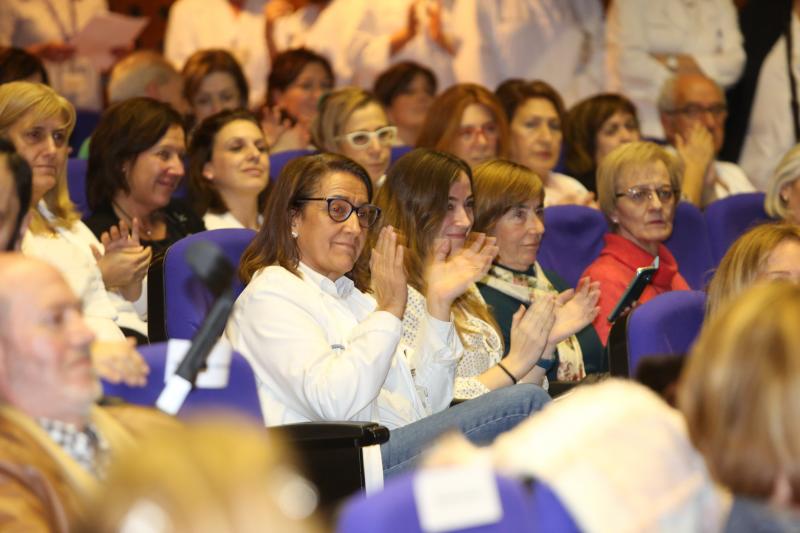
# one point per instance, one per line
(321, 351)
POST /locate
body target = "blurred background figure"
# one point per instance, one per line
(406, 91)
(217, 476)
(783, 190)
(18, 65)
(212, 81)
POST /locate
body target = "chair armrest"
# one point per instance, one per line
(314, 433)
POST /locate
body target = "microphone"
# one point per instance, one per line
(209, 263)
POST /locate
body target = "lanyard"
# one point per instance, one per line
(65, 34)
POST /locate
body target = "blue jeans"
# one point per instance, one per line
(480, 420)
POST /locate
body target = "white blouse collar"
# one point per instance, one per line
(341, 288)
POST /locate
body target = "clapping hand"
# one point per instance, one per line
(575, 309)
(118, 361)
(125, 261)
(530, 332)
(388, 273)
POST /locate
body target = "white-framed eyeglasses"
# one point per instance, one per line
(361, 139)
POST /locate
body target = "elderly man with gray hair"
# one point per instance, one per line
(693, 110)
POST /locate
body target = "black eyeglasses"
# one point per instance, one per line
(340, 210)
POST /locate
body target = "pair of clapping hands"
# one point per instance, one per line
(124, 261)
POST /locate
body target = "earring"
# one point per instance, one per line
(294, 234)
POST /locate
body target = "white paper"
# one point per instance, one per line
(105, 32)
(456, 498)
(218, 364)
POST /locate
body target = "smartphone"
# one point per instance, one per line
(643, 277)
(285, 115)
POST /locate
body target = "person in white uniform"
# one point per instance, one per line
(647, 42)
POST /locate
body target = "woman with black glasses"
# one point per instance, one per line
(324, 349)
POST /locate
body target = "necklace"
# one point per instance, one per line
(147, 229)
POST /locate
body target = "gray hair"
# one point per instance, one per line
(787, 171)
(131, 76)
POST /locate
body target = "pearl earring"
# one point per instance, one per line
(294, 234)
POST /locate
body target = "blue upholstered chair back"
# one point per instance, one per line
(573, 238)
(240, 395)
(690, 245)
(727, 219)
(76, 184)
(186, 299)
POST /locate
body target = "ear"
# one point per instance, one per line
(784, 192)
(208, 171)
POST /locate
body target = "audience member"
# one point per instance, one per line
(15, 194)
(135, 164)
(213, 476)
(146, 73)
(467, 121)
(213, 81)
(536, 115)
(297, 81)
(45, 30)
(738, 391)
(234, 25)
(228, 170)
(406, 90)
(692, 109)
(323, 349)
(558, 41)
(55, 443)
(353, 123)
(509, 202)
(18, 65)
(638, 186)
(106, 275)
(428, 198)
(646, 44)
(768, 251)
(782, 200)
(592, 129)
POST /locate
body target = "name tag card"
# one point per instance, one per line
(218, 363)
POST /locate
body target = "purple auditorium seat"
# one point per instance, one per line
(85, 123)
(76, 185)
(278, 161)
(550, 515)
(400, 151)
(690, 245)
(667, 324)
(730, 217)
(394, 509)
(186, 299)
(573, 238)
(240, 395)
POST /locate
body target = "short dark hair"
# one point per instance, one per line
(204, 197)
(288, 65)
(274, 244)
(23, 183)
(515, 92)
(204, 62)
(17, 65)
(396, 79)
(126, 129)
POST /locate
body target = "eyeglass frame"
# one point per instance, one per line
(353, 209)
(650, 192)
(695, 111)
(470, 133)
(373, 135)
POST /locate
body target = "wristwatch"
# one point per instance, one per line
(547, 364)
(672, 62)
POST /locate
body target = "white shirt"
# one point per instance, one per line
(770, 133)
(558, 41)
(708, 30)
(225, 220)
(321, 351)
(200, 24)
(561, 188)
(731, 179)
(27, 22)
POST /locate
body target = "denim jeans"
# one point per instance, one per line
(480, 420)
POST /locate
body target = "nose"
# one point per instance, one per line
(536, 225)
(253, 153)
(79, 333)
(461, 218)
(351, 225)
(626, 135)
(176, 166)
(654, 201)
(545, 134)
(374, 147)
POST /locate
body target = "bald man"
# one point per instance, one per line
(55, 442)
(692, 109)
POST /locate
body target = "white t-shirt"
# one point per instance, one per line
(560, 187)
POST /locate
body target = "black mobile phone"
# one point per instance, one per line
(285, 115)
(644, 275)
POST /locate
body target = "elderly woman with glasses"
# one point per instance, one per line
(353, 123)
(324, 349)
(638, 185)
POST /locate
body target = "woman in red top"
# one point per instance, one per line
(638, 186)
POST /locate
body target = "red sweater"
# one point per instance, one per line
(615, 268)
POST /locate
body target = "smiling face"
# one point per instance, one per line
(239, 159)
(375, 156)
(155, 173)
(536, 136)
(477, 136)
(43, 144)
(328, 247)
(519, 232)
(619, 128)
(301, 97)
(783, 262)
(650, 223)
(460, 213)
(217, 92)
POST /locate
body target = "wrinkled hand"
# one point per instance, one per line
(388, 273)
(281, 135)
(575, 309)
(530, 332)
(123, 267)
(436, 28)
(118, 361)
(448, 276)
(697, 148)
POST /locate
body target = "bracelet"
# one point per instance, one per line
(509, 374)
